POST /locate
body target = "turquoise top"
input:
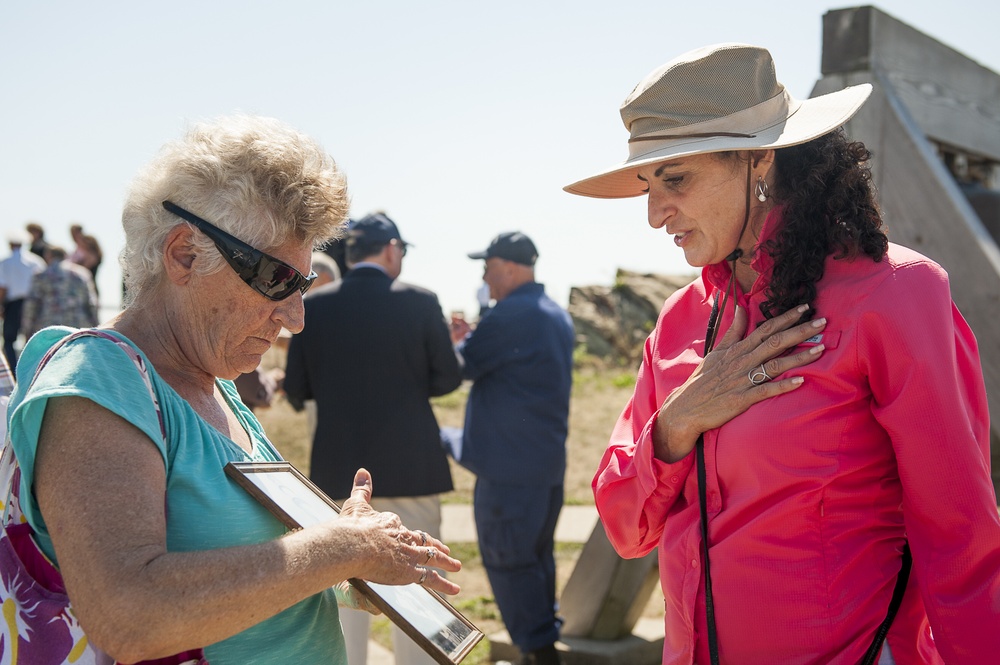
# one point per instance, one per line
(205, 508)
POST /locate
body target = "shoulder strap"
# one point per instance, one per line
(10, 475)
(124, 346)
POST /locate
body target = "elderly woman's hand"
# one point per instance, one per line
(737, 374)
(393, 554)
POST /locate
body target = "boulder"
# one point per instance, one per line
(612, 322)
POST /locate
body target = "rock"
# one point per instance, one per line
(613, 321)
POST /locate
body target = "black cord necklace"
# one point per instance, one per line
(710, 339)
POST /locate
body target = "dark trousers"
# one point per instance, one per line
(516, 526)
(12, 310)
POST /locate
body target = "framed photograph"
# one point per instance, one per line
(421, 613)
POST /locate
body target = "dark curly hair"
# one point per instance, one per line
(826, 189)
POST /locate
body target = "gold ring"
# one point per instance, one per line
(431, 553)
(423, 537)
(423, 577)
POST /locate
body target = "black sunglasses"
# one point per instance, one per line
(268, 276)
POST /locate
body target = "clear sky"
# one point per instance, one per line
(459, 119)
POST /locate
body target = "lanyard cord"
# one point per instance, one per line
(710, 339)
(730, 293)
(699, 448)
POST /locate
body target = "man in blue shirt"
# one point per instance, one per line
(520, 359)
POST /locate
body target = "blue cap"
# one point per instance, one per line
(373, 229)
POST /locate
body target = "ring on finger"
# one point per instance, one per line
(423, 538)
(759, 375)
(423, 577)
(431, 553)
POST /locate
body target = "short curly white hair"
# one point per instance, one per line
(255, 177)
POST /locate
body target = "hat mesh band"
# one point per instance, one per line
(754, 120)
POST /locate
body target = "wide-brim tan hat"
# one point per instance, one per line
(713, 99)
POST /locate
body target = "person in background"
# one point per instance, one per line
(373, 352)
(520, 360)
(809, 416)
(337, 250)
(484, 299)
(38, 242)
(62, 294)
(87, 252)
(16, 273)
(326, 269)
(160, 550)
(257, 389)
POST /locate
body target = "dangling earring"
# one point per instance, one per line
(761, 189)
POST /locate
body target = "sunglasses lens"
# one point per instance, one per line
(276, 280)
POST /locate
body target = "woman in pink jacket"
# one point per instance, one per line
(811, 410)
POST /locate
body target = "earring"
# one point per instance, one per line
(761, 189)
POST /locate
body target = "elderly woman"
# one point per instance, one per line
(809, 407)
(160, 552)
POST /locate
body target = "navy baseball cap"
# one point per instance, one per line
(374, 229)
(510, 246)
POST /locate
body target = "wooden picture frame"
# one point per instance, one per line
(423, 614)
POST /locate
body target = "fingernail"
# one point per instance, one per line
(802, 308)
(797, 380)
(817, 349)
(819, 323)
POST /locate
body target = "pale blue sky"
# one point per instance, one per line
(459, 119)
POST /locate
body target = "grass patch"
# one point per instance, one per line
(468, 553)
(380, 631)
(623, 380)
(478, 609)
(565, 551)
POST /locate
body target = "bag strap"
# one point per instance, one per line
(10, 475)
(875, 650)
(124, 346)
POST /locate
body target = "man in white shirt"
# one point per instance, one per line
(16, 272)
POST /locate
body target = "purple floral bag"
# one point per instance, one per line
(39, 626)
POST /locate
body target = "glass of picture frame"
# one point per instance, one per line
(423, 614)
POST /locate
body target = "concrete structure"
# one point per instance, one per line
(933, 125)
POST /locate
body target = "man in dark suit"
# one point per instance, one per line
(373, 351)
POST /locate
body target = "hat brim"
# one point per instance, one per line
(813, 118)
(478, 255)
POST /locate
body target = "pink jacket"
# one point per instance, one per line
(812, 494)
